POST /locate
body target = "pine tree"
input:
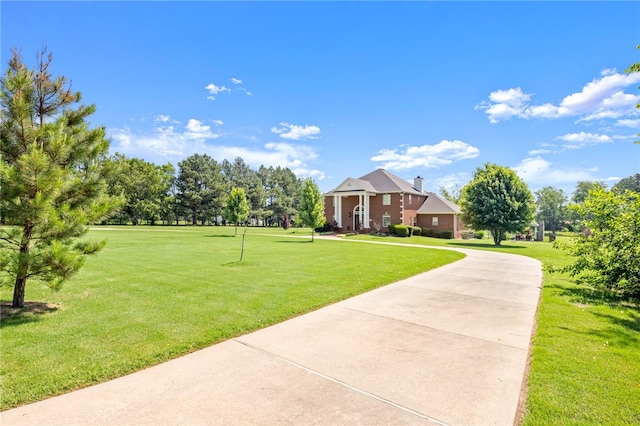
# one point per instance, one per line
(52, 177)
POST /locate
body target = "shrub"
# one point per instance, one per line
(417, 230)
(409, 230)
(447, 235)
(467, 235)
(401, 231)
(478, 235)
(392, 229)
(428, 232)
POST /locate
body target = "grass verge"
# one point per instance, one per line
(155, 293)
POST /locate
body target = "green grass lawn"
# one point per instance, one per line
(585, 366)
(155, 293)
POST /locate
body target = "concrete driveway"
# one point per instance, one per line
(446, 347)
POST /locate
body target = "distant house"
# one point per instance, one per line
(381, 198)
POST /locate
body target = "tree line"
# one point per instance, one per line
(198, 191)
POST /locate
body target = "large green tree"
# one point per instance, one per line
(631, 183)
(239, 175)
(582, 190)
(52, 177)
(551, 204)
(311, 208)
(607, 254)
(498, 200)
(282, 189)
(236, 209)
(200, 187)
(145, 187)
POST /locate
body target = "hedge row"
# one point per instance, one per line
(407, 231)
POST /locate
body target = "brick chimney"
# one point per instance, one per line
(418, 184)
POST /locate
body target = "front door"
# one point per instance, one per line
(356, 218)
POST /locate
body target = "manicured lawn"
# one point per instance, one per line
(585, 366)
(155, 293)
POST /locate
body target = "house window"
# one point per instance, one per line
(409, 199)
(386, 199)
(434, 221)
(386, 220)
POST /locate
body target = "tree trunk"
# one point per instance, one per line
(23, 267)
(497, 236)
(18, 292)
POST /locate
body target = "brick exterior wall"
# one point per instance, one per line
(445, 223)
(376, 210)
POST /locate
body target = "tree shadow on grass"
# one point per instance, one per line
(594, 296)
(31, 312)
(625, 328)
(300, 241)
(219, 236)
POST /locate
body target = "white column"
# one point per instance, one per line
(360, 210)
(337, 208)
(455, 226)
(367, 223)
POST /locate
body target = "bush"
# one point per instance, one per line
(401, 231)
(428, 232)
(409, 230)
(392, 229)
(478, 235)
(324, 228)
(467, 235)
(417, 230)
(447, 235)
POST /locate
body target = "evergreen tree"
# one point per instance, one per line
(200, 187)
(311, 208)
(52, 177)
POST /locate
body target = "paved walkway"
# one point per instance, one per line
(446, 347)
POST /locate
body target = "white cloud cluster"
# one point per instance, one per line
(583, 139)
(169, 143)
(195, 129)
(295, 132)
(537, 170)
(214, 91)
(426, 156)
(602, 98)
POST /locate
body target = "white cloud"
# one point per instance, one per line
(538, 151)
(451, 182)
(633, 123)
(601, 98)
(218, 122)
(236, 80)
(537, 170)
(214, 90)
(295, 132)
(162, 118)
(583, 139)
(168, 144)
(426, 156)
(197, 130)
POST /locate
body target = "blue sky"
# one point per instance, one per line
(335, 90)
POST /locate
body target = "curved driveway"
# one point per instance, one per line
(446, 347)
